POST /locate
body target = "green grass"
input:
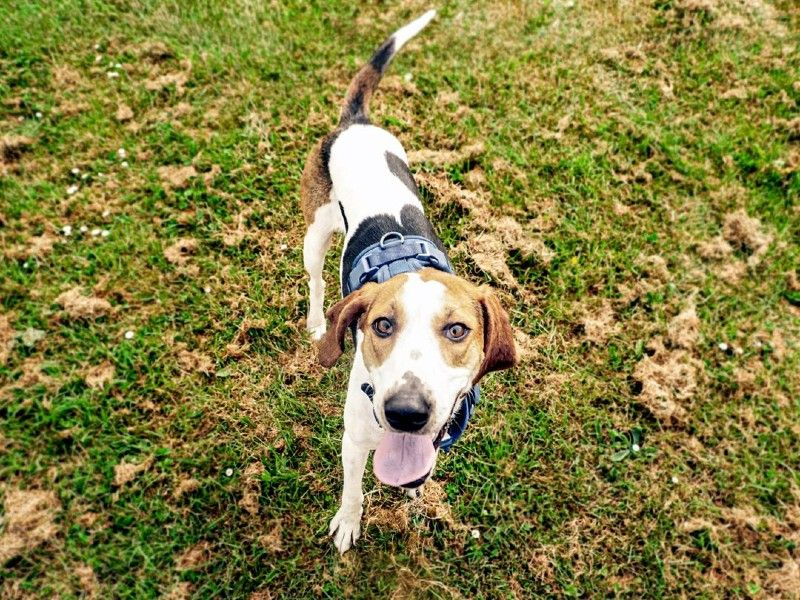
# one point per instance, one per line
(652, 159)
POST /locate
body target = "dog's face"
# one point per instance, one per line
(427, 338)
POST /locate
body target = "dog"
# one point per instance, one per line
(423, 337)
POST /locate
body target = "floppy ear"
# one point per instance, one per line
(340, 316)
(499, 351)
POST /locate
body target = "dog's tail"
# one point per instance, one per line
(356, 102)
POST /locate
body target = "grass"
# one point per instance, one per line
(612, 134)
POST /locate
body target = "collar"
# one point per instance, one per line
(392, 255)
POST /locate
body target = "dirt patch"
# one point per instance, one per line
(194, 557)
(252, 488)
(78, 306)
(181, 251)
(178, 79)
(434, 505)
(527, 346)
(732, 273)
(177, 177)
(746, 233)
(29, 521)
(489, 254)
(668, 379)
(98, 376)
(125, 472)
(600, 324)
(684, 329)
(6, 338)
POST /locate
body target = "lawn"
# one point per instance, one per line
(626, 175)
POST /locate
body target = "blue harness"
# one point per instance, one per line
(393, 255)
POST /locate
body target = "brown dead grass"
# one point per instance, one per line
(125, 472)
(181, 251)
(29, 521)
(12, 147)
(668, 379)
(87, 580)
(177, 177)
(98, 376)
(684, 330)
(746, 233)
(441, 158)
(600, 324)
(194, 557)
(186, 485)
(252, 487)
(193, 361)
(78, 306)
(124, 113)
(6, 338)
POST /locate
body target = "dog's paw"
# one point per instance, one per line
(345, 529)
(317, 331)
(415, 492)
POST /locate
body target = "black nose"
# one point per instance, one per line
(406, 414)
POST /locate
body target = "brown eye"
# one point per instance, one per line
(383, 327)
(456, 332)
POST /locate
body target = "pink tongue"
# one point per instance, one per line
(403, 458)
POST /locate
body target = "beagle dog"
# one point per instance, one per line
(423, 336)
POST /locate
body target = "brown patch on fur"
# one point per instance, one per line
(28, 521)
(78, 306)
(315, 183)
(340, 315)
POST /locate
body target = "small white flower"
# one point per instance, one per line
(105, 233)
(112, 74)
(38, 115)
(723, 346)
(117, 66)
(66, 230)
(228, 472)
(84, 229)
(124, 164)
(129, 335)
(738, 350)
(284, 247)
(122, 153)
(674, 479)
(85, 176)
(72, 189)
(98, 58)
(635, 447)
(101, 174)
(757, 344)
(207, 289)
(20, 119)
(95, 232)
(75, 171)
(407, 76)
(106, 213)
(475, 534)
(97, 46)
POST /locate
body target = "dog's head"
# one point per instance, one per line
(427, 338)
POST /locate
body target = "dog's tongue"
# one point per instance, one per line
(403, 458)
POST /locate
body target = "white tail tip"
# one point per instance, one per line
(405, 33)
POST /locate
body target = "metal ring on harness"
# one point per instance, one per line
(399, 240)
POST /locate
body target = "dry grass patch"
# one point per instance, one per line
(28, 521)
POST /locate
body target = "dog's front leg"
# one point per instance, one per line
(346, 525)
